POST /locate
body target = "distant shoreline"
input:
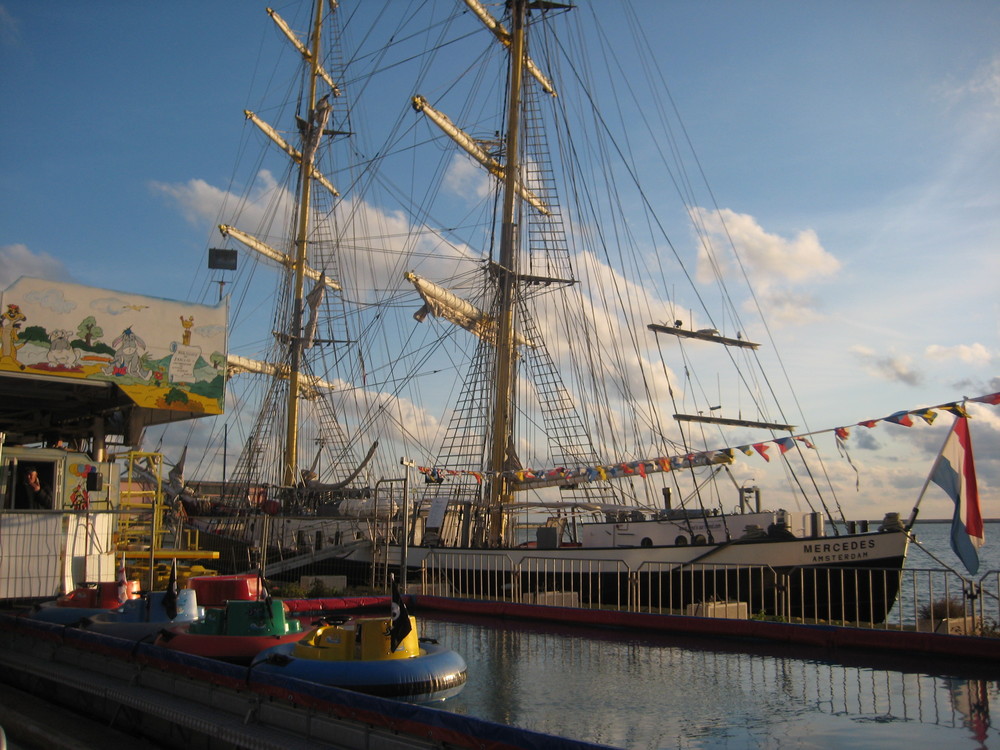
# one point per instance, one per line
(948, 520)
(919, 521)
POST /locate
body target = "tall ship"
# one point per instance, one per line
(487, 344)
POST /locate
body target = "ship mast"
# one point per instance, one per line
(503, 400)
(313, 132)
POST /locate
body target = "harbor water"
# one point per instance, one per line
(632, 690)
(646, 691)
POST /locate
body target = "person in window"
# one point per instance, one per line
(36, 495)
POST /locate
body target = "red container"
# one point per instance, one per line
(215, 591)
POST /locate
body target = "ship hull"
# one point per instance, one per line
(846, 578)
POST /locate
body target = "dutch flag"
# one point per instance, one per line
(955, 473)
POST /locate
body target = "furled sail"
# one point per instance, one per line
(441, 303)
(473, 149)
(276, 255)
(309, 385)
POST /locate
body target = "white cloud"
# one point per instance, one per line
(788, 307)
(897, 368)
(465, 177)
(973, 354)
(982, 88)
(52, 299)
(109, 306)
(768, 258)
(201, 202)
(17, 261)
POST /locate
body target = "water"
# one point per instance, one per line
(656, 691)
(935, 539)
(669, 692)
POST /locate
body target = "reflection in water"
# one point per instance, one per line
(657, 691)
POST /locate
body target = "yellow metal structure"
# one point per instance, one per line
(142, 529)
(140, 523)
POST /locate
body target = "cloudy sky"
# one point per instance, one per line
(853, 150)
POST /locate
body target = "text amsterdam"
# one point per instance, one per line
(853, 549)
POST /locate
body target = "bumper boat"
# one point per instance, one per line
(235, 633)
(142, 618)
(84, 601)
(357, 655)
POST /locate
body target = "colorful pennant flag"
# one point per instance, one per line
(842, 434)
(900, 417)
(784, 444)
(761, 448)
(957, 409)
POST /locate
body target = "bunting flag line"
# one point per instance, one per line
(954, 471)
(561, 476)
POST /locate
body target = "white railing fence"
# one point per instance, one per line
(911, 599)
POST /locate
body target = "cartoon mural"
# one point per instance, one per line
(73, 331)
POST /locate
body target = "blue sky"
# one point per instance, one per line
(856, 147)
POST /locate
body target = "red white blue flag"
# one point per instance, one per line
(955, 473)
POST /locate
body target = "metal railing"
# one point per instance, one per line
(43, 554)
(890, 599)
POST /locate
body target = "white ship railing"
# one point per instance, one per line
(911, 599)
